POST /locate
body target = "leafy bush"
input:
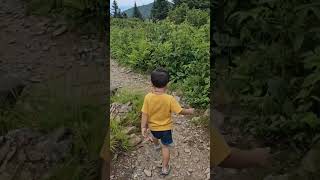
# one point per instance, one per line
(182, 49)
(273, 66)
(197, 17)
(178, 15)
(183, 13)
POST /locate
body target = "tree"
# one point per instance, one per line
(136, 12)
(160, 10)
(178, 14)
(124, 15)
(176, 3)
(115, 8)
(119, 14)
(198, 4)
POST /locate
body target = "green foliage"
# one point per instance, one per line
(182, 49)
(160, 10)
(273, 66)
(134, 97)
(197, 17)
(178, 14)
(136, 12)
(198, 4)
(115, 9)
(183, 13)
(202, 121)
(89, 14)
(119, 140)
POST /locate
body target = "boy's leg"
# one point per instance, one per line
(165, 157)
(167, 143)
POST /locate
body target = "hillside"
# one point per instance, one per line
(145, 10)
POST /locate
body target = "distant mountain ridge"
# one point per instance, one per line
(144, 9)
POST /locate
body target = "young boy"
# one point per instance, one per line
(156, 115)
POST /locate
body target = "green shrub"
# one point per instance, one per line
(182, 49)
(273, 67)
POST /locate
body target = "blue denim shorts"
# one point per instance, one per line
(164, 136)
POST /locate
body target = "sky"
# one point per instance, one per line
(126, 4)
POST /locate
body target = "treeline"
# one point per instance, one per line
(180, 43)
(161, 8)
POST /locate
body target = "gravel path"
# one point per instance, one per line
(189, 158)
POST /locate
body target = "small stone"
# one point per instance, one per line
(13, 41)
(195, 119)
(147, 172)
(207, 171)
(187, 150)
(83, 63)
(134, 140)
(35, 80)
(45, 48)
(135, 176)
(129, 130)
(60, 31)
(40, 32)
(190, 170)
(207, 113)
(208, 176)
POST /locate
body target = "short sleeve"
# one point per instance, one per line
(175, 106)
(220, 149)
(145, 105)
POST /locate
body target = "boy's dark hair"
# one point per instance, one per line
(159, 77)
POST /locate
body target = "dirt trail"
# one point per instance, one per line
(189, 158)
(39, 48)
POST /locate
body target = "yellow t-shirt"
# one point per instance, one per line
(159, 107)
(220, 150)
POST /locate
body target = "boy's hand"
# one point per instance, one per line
(188, 111)
(191, 110)
(144, 132)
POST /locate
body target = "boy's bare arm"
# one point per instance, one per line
(188, 111)
(244, 159)
(144, 120)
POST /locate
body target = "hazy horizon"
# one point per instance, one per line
(127, 4)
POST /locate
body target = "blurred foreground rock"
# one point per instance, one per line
(26, 154)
